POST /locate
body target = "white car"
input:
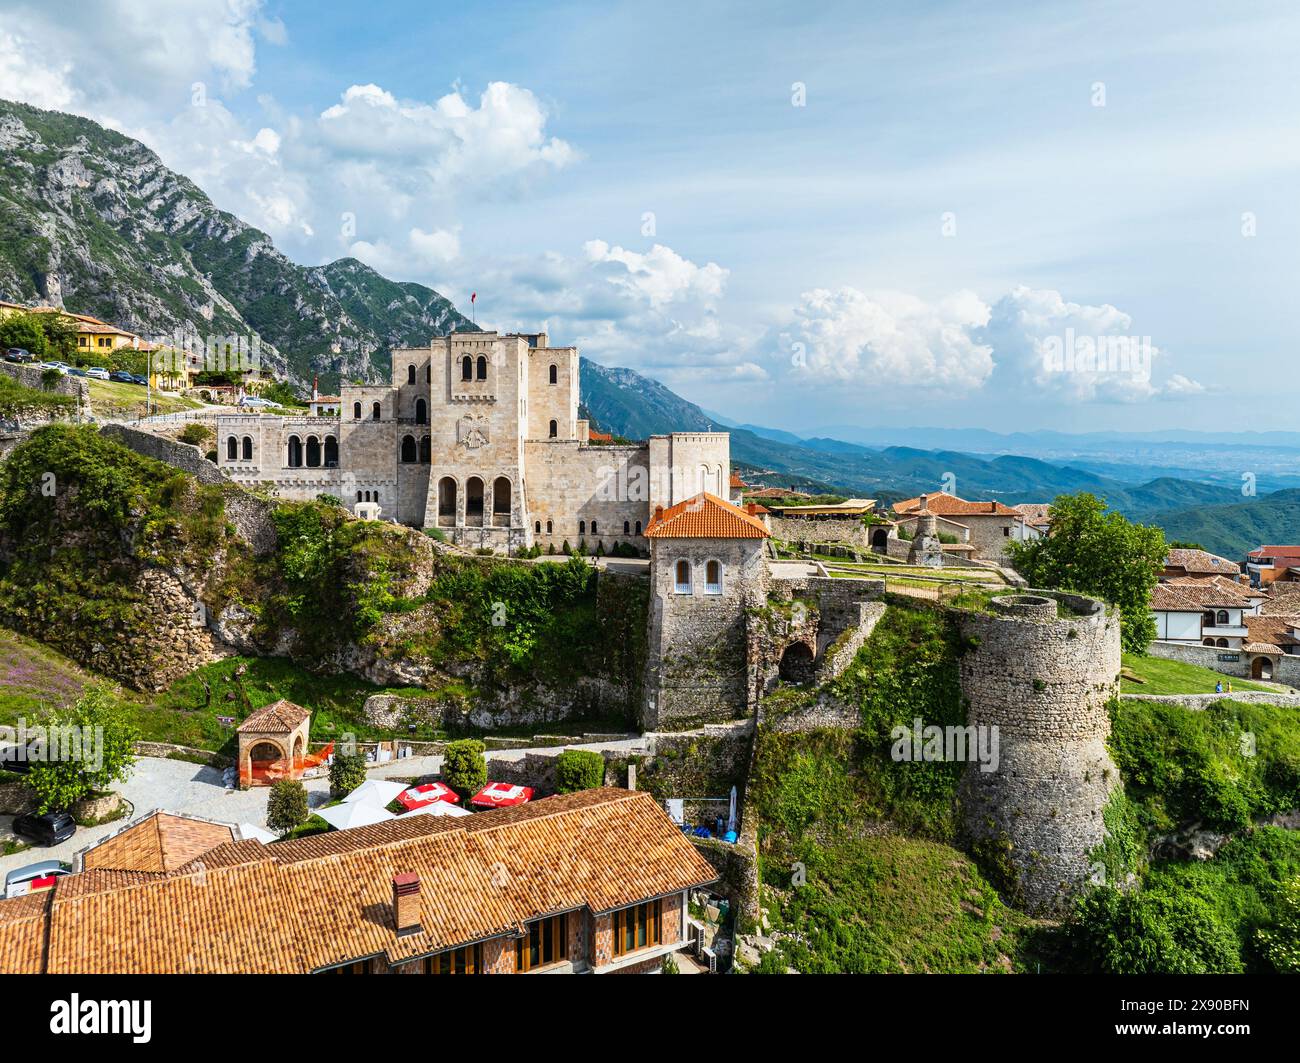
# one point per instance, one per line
(55, 365)
(97, 373)
(253, 400)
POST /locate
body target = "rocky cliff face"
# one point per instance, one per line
(92, 221)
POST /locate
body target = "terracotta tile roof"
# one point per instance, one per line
(1272, 631)
(159, 842)
(1201, 562)
(945, 505)
(777, 492)
(705, 516)
(1197, 596)
(598, 437)
(1226, 582)
(1276, 551)
(294, 910)
(1035, 512)
(280, 717)
(736, 481)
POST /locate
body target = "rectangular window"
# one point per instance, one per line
(546, 941)
(638, 927)
(466, 960)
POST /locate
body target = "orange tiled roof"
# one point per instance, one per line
(1201, 562)
(159, 842)
(705, 516)
(598, 437)
(280, 717)
(298, 907)
(943, 505)
(736, 481)
(1195, 597)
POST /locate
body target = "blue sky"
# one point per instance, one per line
(964, 186)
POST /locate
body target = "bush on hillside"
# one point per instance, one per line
(463, 766)
(579, 769)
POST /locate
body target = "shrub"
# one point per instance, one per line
(579, 769)
(60, 783)
(346, 773)
(1280, 943)
(463, 766)
(669, 966)
(195, 434)
(286, 808)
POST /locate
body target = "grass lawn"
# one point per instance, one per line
(109, 399)
(1155, 675)
(33, 677)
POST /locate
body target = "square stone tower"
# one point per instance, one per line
(707, 571)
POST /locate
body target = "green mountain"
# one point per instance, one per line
(1233, 530)
(92, 221)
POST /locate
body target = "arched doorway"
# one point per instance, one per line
(331, 452)
(421, 412)
(501, 502)
(408, 448)
(474, 502)
(295, 452)
(447, 502)
(880, 540)
(1261, 668)
(797, 663)
(267, 763)
(313, 452)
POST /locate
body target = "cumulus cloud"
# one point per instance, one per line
(845, 336)
(29, 73)
(660, 275)
(1076, 352)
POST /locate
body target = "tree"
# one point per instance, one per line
(88, 747)
(60, 335)
(1092, 551)
(579, 769)
(346, 773)
(1280, 943)
(25, 331)
(282, 391)
(286, 808)
(463, 766)
(195, 434)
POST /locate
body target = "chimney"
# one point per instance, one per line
(315, 390)
(659, 513)
(406, 903)
(925, 504)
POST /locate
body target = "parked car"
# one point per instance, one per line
(76, 371)
(14, 759)
(19, 354)
(121, 376)
(48, 828)
(136, 378)
(55, 365)
(34, 877)
(97, 372)
(253, 400)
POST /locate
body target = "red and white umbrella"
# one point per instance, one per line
(427, 794)
(501, 795)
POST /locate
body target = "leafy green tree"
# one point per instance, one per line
(60, 335)
(579, 769)
(346, 773)
(195, 434)
(1092, 551)
(463, 766)
(1280, 943)
(25, 331)
(91, 746)
(282, 391)
(286, 808)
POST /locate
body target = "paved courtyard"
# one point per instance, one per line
(172, 785)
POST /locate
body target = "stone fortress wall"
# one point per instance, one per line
(1042, 674)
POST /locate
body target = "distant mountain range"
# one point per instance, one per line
(1215, 514)
(92, 221)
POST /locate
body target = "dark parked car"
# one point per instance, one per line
(136, 378)
(121, 376)
(74, 371)
(19, 354)
(48, 828)
(16, 759)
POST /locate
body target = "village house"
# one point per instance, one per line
(1191, 562)
(1203, 612)
(991, 526)
(589, 882)
(1273, 564)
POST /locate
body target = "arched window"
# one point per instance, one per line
(474, 501)
(713, 577)
(1208, 619)
(313, 452)
(1223, 617)
(248, 448)
(682, 578)
(582, 527)
(638, 527)
(627, 527)
(1207, 642)
(358, 496)
(295, 452)
(548, 527)
(232, 448)
(555, 374)
(356, 411)
(421, 412)
(482, 367)
(331, 452)
(408, 448)
(501, 501)
(537, 528)
(410, 374)
(428, 373)
(593, 528)
(375, 412)
(1222, 643)
(467, 368)
(555, 429)
(426, 452)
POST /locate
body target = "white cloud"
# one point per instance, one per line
(30, 74)
(421, 250)
(660, 275)
(887, 339)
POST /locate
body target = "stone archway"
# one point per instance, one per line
(880, 540)
(267, 762)
(1261, 668)
(797, 663)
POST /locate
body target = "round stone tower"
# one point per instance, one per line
(1040, 667)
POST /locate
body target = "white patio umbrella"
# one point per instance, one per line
(251, 832)
(357, 814)
(441, 808)
(378, 792)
